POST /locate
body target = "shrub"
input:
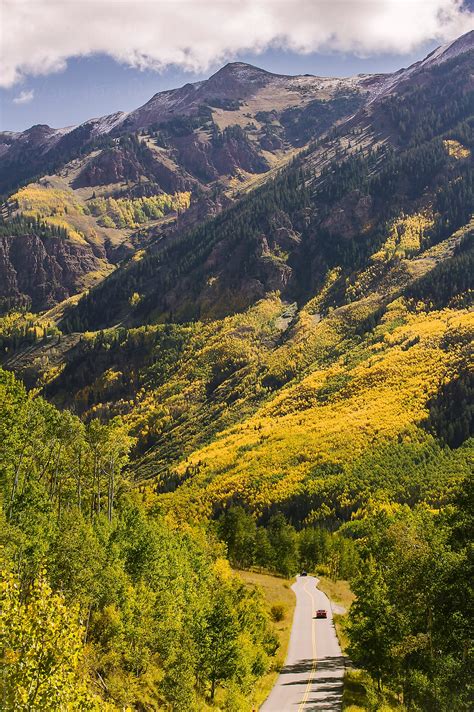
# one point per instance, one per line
(278, 612)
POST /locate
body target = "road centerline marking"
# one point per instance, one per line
(313, 642)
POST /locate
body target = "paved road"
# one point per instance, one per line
(312, 678)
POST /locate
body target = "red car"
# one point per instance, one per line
(321, 613)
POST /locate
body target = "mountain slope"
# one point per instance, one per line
(331, 208)
(285, 408)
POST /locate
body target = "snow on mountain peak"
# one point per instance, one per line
(462, 44)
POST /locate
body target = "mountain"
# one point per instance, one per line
(329, 209)
(211, 140)
(239, 88)
(361, 216)
(233, 96)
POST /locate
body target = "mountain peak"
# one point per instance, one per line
(460, 45)
(241, 72)
(240, 67)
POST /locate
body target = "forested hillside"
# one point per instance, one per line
(124, 605)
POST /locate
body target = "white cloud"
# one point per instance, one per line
(24, 97)
(38, 36)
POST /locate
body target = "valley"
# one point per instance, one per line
(236, 332)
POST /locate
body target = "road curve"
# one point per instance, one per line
(312, 678)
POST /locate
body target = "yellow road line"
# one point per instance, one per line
(313, 640)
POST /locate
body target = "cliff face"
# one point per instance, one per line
(111, 166)
(224, 155)
(124, 164)
(37, 272)
(192, 160)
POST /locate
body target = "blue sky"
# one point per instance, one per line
(98, 85)
(65, 61)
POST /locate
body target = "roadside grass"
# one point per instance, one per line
(338, 592)
(339, 624)
(277, 592)
(361, 695)
(355, 697)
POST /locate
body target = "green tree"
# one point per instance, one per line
(178, 685)
(218, 642)
(282, 537)
(238, 529)
(264, 554)
(41, 648)
(371, 625)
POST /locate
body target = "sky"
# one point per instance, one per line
(65, 61)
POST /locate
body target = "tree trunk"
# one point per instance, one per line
(110, 503)
(15, 481)
(110, 492)
(78, 481)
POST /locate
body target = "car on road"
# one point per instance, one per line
(321, 613)
(304, 573)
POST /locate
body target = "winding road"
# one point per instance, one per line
(312, 678)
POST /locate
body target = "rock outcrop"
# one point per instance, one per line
(37, 272)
